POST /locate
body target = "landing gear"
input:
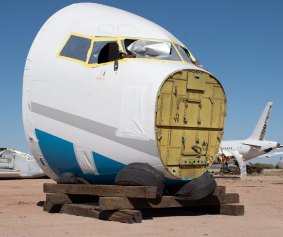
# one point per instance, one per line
(241, 164)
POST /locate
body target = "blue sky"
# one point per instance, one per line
(240, 42)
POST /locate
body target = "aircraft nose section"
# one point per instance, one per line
(278, 145)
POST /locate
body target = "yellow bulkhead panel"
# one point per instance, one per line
(190, 114)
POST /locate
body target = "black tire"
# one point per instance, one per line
(147, 168)
(197, 188)
(140, 177)
(80, 180)
(69, 178)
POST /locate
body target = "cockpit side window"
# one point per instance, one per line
(104, 51)
(184, 53)
(76, 48)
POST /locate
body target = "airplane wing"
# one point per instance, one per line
(253, 145)
(277, 153)
(272, 154)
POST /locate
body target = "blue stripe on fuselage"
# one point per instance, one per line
(61, 158)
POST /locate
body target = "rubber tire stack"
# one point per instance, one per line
(141, 174)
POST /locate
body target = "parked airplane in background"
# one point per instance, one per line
(16, 164)
(252, 147)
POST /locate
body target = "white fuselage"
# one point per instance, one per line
(255, 149)
(92, 119)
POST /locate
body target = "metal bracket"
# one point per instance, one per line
(116, 65)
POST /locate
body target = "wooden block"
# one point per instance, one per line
(223, 209)
(117, 216)
(102, 190)
(219, 190)
(61, 198)
(87, 210)
(232, 210)
(137, 214)
(40, 203)
(228, 198)
(51, 207)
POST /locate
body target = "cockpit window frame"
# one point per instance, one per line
(120, 42)
(74, 59)
(101, 39)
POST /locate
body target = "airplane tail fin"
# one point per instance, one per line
(261, 126)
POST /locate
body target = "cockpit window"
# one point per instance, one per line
(104, 51)
(184, 53)
(127, 43)
(151, 49)
(76, 47)
(94, 50)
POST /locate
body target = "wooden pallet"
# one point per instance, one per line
(123, 203)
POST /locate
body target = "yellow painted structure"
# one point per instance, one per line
(190, 114)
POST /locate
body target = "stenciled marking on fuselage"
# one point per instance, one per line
(96, 128)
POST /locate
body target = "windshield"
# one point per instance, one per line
(151, 49)
(184, 53)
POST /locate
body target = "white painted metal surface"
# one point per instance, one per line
(109, 113)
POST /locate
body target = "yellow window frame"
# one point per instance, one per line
(117, 39)
(102, 39)
(73, 59)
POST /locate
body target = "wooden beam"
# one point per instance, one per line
(51, 207)
(62, 198)
(224, 209)
(117, 216)
(102, 190)
(92, 210)
(116, 203)
(232, 210)
(229, 198)
(87, 210)
(137, 214)
(219, 190)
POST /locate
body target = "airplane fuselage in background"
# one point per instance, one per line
(251, 147)
(247, 151)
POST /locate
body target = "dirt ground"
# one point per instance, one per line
(261, 195)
